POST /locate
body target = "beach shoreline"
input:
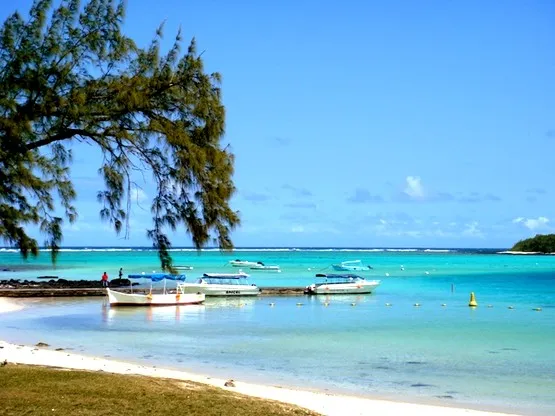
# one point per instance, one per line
(322, 402)
(8, 305)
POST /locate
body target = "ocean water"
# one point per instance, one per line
(489, 357)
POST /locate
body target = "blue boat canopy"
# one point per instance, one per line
(158, 277)
(225, 276)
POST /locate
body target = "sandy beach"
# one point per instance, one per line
(7, 305)
(326, 404)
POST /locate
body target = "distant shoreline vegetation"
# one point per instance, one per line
(541, 243)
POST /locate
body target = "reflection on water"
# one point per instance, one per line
(231, 302)
(111, 314)
(328, 300)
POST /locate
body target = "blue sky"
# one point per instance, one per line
(364, 124)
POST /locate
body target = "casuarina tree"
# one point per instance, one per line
(69, 74)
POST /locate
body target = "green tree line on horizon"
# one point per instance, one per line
(541, 243)
(69, 75)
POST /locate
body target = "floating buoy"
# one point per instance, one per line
(426, 272)
(537, 309)
(388, 304)
(353, 304)
(387, 274)
(417, 305)
(472, 302)
(299, 304)
(326, 303)
(511, 307)
(272, 304)
(443, 304)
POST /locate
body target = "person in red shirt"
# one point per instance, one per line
(105, 280)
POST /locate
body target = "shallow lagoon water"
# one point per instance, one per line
(487, 357)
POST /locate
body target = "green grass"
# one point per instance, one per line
(30, 390)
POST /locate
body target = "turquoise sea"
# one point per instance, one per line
(500, 355)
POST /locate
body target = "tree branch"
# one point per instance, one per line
(63, 135)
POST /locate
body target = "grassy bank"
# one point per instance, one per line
(29, 390)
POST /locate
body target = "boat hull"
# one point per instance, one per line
(134, 299)
(342, 288)
(220, 290)
(241, 263)
(274, 269)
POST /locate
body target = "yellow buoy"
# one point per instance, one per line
(472, 302)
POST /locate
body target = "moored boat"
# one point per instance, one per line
(221, 284)
(351, 266)
(264, 267)
(242, 263)
(341, 284)
(117, 298)
(183, 267)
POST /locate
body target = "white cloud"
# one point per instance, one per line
(414, 187)
(297, 229)
(138, 195)
(472, 230)
(532, 223)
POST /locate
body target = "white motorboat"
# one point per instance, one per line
(242, 263)
(116, 298)
(264, 267)
(350, 266)
(341, 284)
(183, 267)
(221, 284)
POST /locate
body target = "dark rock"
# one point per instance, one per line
(4, 363)
(120, 282)
(42, 344)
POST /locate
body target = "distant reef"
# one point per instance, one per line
(541, 243)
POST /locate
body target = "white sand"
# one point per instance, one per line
(327, 404)
(8, 305)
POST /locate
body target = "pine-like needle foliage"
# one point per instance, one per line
(68, 73)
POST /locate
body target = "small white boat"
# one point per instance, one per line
(242, 263)
(116, 298)
(183, 267)
(341, 284)
(221, 284)
(153, 299)
(350, 266)
(263, 267)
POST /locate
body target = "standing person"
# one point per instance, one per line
(120, 272)
(105, 280)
